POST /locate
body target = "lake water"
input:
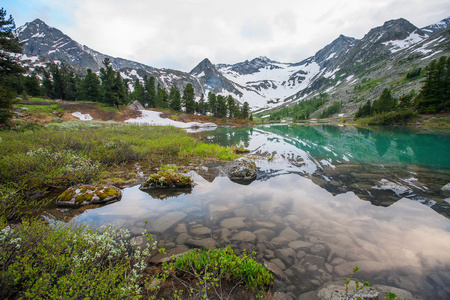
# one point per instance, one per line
(326, 199)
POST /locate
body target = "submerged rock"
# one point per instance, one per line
(89, 194)
(445, 190)
(241, 169)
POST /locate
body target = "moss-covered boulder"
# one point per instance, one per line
(89, 194)
(168, 178)
(242, 169)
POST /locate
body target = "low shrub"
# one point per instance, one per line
(401, 116)
(58, 261)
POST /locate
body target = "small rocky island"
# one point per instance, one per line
(89, 194)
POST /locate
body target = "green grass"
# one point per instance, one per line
(69, 153)
(41, 109)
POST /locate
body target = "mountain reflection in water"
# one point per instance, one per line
(315, 227)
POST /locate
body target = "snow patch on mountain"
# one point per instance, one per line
(398, 45)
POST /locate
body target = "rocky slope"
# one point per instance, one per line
(346, 69)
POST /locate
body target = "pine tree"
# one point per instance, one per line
(90, 87)
(385, 103)
(364, 110)
(435, 94)
(32, 85)
(107, 76)
(221, 107)
(188, 98)
(245, 110)
(231, 107)
(212, 103)
(139, 91)
(10, 70)
(201, 105)
(175, 99)
(150, 92)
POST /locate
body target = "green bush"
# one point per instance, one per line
(401, 116)
(58, 261)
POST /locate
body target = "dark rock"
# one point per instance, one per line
(241, 169)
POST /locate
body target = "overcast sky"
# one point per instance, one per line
(179, 34)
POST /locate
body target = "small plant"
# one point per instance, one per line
(358, 286)
(203, 272)
(390, 296)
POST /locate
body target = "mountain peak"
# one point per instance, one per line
(391, 30)
(202, 66)
(433, 28)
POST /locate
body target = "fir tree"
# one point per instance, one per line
(10, 70)
(175, 99)
(90, 87)
(188, 98)
(221, 107)
(231, 107)
(32, 85)
(245, 110)
(139, 91)
(150, 92)
(212, 103)
(385, 103)
(434, 96)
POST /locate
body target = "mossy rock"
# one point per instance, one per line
(168, 178)
(89, 194)
(242, 169)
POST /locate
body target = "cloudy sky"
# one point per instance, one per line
(179, 34)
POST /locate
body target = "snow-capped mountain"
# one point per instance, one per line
(384, 53)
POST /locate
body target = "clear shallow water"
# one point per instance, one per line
(314, 228)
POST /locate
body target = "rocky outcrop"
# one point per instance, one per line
(242, 169)
(89, 194)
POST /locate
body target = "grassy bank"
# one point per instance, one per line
(46, 260)
(35, 159)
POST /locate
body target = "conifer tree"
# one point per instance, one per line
(221, 107)
(10, 70)
(212, 103)
(231, 107)
(139, 91)
(435, 94)
(150, 92)
(245, 110)
(175, 99)
(188, 98)
(90, 87)
(385, 103)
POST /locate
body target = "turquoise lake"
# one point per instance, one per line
(326, 199)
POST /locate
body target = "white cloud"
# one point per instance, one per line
(179, 34)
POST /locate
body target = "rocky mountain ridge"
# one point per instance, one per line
(383, 54)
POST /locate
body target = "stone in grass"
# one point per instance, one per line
(89, 194)
(167, 179)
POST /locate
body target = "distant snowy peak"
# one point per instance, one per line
(43, 40)
(202, 67)
(433, 28)
(391, 30)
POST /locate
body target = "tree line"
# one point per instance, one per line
(434, 96)
(59, 81)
